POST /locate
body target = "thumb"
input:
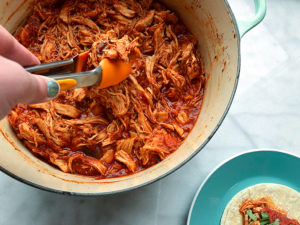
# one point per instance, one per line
(38, 89)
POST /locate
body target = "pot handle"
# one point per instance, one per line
(260, 12)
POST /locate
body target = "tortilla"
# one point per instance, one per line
(284, 197)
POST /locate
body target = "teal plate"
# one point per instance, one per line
(238, 173)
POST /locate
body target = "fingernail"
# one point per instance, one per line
(53, 88)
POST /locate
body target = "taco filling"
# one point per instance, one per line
(263, 211)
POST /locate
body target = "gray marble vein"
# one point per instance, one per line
(265, 114)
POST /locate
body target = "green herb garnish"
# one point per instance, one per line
(275, 223)
(251, 215)
(264, 216)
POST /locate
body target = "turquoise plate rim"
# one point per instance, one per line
(227, 161)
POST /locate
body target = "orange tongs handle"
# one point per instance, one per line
(113, 72)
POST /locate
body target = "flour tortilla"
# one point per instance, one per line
(282, 196)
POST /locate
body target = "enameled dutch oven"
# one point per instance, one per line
(219, 35)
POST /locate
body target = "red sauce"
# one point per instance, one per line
(283, 219)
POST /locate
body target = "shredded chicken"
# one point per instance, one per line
(122, 129)
(125, 158)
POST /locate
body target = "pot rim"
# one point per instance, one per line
(52, 190)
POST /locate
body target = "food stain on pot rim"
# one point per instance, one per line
(15, 11)
(6, 136)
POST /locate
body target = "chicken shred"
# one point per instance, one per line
(122, 129)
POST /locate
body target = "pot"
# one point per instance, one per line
(219, 35)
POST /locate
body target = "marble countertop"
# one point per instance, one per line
(265, 114)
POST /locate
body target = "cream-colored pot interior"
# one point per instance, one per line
(212, 23)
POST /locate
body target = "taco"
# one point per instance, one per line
(263, 204)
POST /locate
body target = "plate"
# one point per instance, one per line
(238, 173)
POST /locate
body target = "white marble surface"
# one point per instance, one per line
(265, 114)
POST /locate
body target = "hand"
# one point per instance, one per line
(16, 84)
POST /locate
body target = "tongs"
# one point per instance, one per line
(69, 73)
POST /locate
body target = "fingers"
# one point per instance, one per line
(18, 86)
(10, 48)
